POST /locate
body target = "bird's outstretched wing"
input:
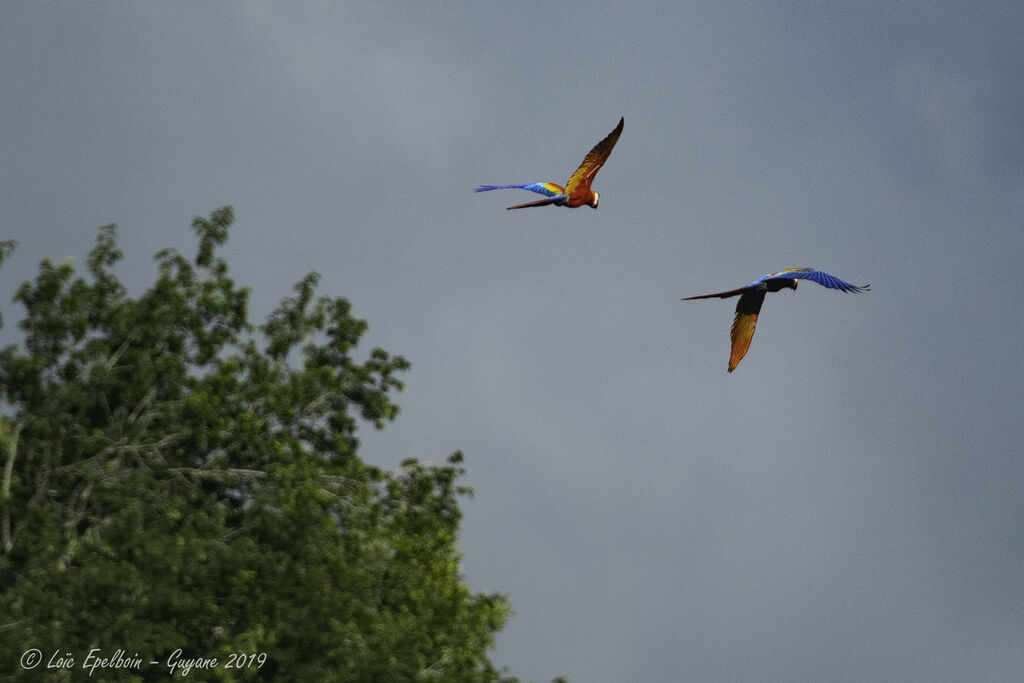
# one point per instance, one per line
(814, 275)
(581, 179)
(744, 323)
(549, 189)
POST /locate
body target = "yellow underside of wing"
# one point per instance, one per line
(742, 332)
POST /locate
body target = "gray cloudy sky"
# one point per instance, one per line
(847, 505)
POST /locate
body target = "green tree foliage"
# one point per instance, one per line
(175, 477)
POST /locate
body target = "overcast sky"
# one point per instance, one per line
(847, 505)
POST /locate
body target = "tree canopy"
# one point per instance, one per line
(176, 478)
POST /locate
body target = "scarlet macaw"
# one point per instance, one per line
(752, 296)
(577, 191)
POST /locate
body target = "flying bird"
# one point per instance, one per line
(577, 190)
(752, 296)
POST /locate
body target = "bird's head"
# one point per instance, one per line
(597, 198)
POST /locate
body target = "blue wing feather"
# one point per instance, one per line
(819, 276)
(546, 189)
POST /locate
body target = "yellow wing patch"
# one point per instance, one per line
(742, 332)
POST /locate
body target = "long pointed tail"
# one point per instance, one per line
(484, 188)
(718, 295)
(540, 202)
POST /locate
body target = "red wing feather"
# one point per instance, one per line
(584, 175)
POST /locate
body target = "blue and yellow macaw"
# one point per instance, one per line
(577, 190)
(752, 296)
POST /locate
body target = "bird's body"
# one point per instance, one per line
(577, 190)
(752, 296)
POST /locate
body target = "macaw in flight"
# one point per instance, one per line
(577, 191)
(752, 296)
